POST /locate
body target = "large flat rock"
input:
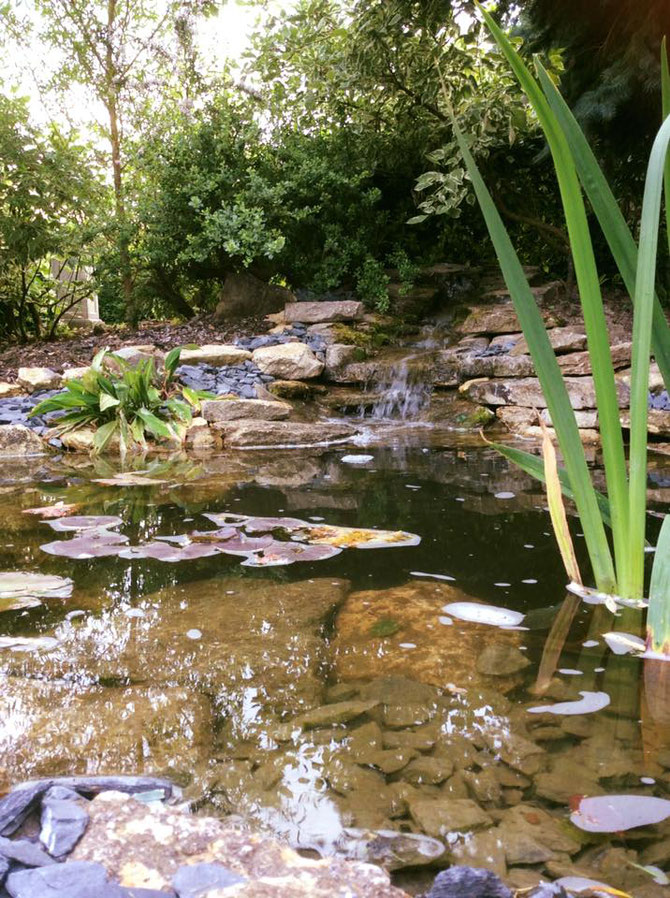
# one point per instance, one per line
(321, 312)
(214, 354)
(215, 410)
(250, 434)
(288, 361)
(32, 379)
(527, 392)
(16, 439)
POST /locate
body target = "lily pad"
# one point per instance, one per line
(93, 544)
(624, 643)
(162, 551)
(17, 585)
(85, 522)
(226, 519)
(213, 536)
(288, 553)
(59, 510)
(616, 813)
(356, 537)
(269, 525)
(478, 613)
(588, 704)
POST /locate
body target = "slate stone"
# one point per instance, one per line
(4, 869)
(24, 852)
(147, 893)
(196, 880)
(63, 825)
(61, 793)
(78, 879)
(468, 882)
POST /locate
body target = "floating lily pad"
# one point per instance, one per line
(269, 525)
(478, 613)
(29, 588)
(27, 644)
(226, 519)
(624, 643)
(616, 813)
(588, 704)
(162, 551)
(582, 884)
(213, 536)
(356, 537)
(85, 522)
(59, 510)
(288, 553)
(244, 545)
(93, 544)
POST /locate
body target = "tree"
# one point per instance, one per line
(49, 199)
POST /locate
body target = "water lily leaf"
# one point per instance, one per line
(226, 519)
(244, 545)
(27, 643)
(478, 613)
(588, 704)
(268, 525)
(91, 544)
(216, 536)
(288, 553)
(162, 551)
(16, 585)
(59, 510)
(85, 522)
(624, 643)
(357, 538)
(616, 813)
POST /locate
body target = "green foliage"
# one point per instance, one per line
(372, 285)
(124, 401)
(49, 199)
(626, 488)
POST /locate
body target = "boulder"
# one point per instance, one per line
(563, 339)
(323, 312)
(214, 354)
(201, 437)
(499, 318)
(261, 434)
(101, 730)
(244, 295)
(579, 363)
(149, 847)
(216, 410)
(288, 361)
(338, 355)
(527, 392)
(34, 379)
(75, 373)
(8, 390)
(17, 439)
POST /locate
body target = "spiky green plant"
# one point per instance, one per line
(621, 571)
(131, 402)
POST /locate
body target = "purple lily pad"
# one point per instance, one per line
(615, 813)
(162, 551)
(85, 522)
(288, 553)
(94, 544)
(227, 519)
(588, 704)
(479, 613)
(244, 545)
(268, 525)
(216, 536)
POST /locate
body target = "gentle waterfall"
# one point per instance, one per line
(402, 391)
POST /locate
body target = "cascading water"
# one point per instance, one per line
(402, 391)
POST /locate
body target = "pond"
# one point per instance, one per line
(351, 704)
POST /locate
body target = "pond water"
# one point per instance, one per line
(339, 702)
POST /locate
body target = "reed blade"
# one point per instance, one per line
(658, 614)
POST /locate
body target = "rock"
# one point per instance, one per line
(440, 817)
(244, 295)
(468, 882)
(527, 392)
(501, 660)
(388, 761)
(453, 365)
(214, 354)
(216, 410)
(565, 778)
(341, 712)
(81, 440)
(480, 849)
(144, 847)
(321, 312)
(409, 615)
(71, 880)
(427, 770)
(562, 339)
(295, 389)
(658, 422)
(390, 849)
(75, 373)
(17, 439)
(244, 434)
(201, 437)
(133, 355)
(63, 823)
(529, 835)
(288, 361)
(498, 318)
(586, 419)
(8, 390)
(579, 363)
(197, 880)
(21, 851)
(99, 730)
(483, 785)
(514, 749)
(338, 356)
(34, 379)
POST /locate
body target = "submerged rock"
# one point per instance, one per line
(468, 882)
(441, 817)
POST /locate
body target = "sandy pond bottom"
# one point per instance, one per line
(338, 702)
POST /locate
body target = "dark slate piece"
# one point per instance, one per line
(61, 793)
(63, 825)
(4, 869)
(79, 879)
(16, 806)
(24, 852)
(468, 882)
(196, 880)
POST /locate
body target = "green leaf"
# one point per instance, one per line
(107, 401)
(154, 425)
(192, 397)
(172, 361)
(181, 410)
(658, 615)
(103, 435)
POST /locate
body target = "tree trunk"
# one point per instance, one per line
(169, 292)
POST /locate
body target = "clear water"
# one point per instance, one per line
(202, 669)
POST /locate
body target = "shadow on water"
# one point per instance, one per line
(349, 704)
